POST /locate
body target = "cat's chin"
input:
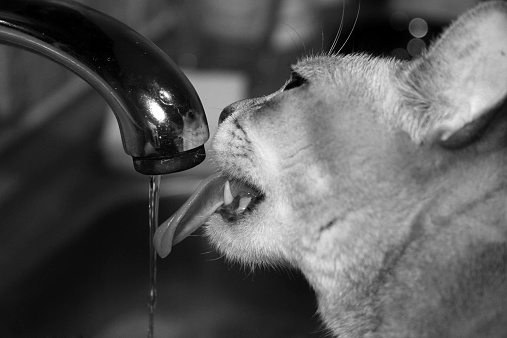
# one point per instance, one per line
(243, 240)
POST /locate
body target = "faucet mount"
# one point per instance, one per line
(161, 118)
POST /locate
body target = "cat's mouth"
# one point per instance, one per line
(232, 199)
(239, 199)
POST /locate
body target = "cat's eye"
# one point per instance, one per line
(295, 81)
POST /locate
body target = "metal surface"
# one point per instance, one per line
(161, 118)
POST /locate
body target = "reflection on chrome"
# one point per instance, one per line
(155, 110)
(166, 97)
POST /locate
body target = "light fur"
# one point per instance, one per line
(381, 185)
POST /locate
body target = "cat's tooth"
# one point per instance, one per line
(243, 203)
(227, 193)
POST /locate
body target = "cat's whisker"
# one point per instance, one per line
(294, 41)
(220, 257)
(338, 34)
(353, 26)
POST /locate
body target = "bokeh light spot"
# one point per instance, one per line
(418, 27)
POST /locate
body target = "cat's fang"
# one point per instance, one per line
(228, 198)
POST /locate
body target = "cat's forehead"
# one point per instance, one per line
(333, 67)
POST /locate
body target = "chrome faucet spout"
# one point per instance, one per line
(161, 118)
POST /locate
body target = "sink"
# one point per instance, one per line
(97, 286)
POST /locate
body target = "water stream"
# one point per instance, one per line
(153, 224)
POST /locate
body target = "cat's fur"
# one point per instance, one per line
(385, 183)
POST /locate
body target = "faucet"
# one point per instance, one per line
(161, 119)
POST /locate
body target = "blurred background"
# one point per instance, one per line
(74, 213)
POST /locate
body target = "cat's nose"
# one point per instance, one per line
(226, 113)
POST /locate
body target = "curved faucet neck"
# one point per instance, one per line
(161, 118)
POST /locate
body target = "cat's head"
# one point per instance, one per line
(330, 171)
(348, 133)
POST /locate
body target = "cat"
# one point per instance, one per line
(383, 181)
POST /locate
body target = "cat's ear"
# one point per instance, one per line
(458, 84)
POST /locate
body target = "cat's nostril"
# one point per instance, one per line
(225, 113)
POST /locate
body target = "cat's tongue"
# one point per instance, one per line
(205, 200)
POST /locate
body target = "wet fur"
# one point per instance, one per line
(401, 232)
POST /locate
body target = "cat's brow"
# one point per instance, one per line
(309, 72)
(302, 70)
